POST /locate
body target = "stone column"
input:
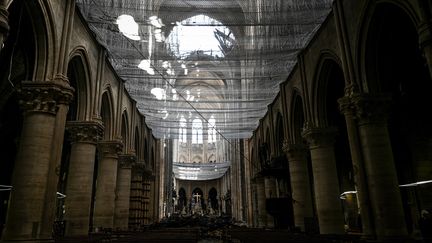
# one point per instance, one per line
(4, 24)
(39, 100)
(326, 183)
(135, 207)
(84, 136)
(300, 183)
(270, 192)
(106, 184)
(55, 163)
(347, 109)
(372, 115)
(124, 174)
(145, 200)
(262, 212)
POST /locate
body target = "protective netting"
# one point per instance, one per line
(206, 171)
(219, 59)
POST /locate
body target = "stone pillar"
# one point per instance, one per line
(4, 24)
(262, 212)
(55, 163)
(347, 109)
(146, 195)
(300, 183)
(372, 115)
(326, 183)
(39, 100)
(270, 192)
(124, 174)
(135, 206)
(106, 184)
(84, 136)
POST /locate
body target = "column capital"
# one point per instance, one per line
(127, 161)
(141, 168)
(85, 131)
(372, 108)
(293, 150)
(320, 137)
(346, 106)
(45, 96)
(110, 148)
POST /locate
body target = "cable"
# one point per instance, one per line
(184, 99)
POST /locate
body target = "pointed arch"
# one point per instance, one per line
(137, 143)
(279, 133)
(329, 81)
(107, 114)
(376, 12)
(125, 131)
(44, 32)
(297, 118)
(197, 131)
(79, 75)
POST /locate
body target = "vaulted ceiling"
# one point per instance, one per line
(197, 59)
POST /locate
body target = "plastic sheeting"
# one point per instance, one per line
(151, 46)
(200, 171)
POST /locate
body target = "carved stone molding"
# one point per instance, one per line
(372, 108)
(43, 96)
(126, 161)
(346, 107)
(294, 150)
(85, 131)
(110, 148)
(320, 137)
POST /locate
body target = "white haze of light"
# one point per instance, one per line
(197, 38)
(128, 27)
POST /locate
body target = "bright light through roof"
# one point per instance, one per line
(196, 34)
(128, 26)
(159, 93)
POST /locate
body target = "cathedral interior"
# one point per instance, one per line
(269, 120)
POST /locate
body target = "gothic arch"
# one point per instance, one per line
(107, 114)
(328, 65)
(137, 143)
(279, 133)
(297, 116)
(145, 152)
(369, 32)
(44, 32)
(125, 131)
(393, 64)
(79, 78)
(197, 159)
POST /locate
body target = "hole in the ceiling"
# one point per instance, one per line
(200, 34)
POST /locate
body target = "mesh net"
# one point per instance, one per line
(214, 59)
(201, 172)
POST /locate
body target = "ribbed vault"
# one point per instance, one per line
(258, 43)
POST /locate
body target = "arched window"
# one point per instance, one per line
(182, 130)
(211, 130)
(197, 131)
